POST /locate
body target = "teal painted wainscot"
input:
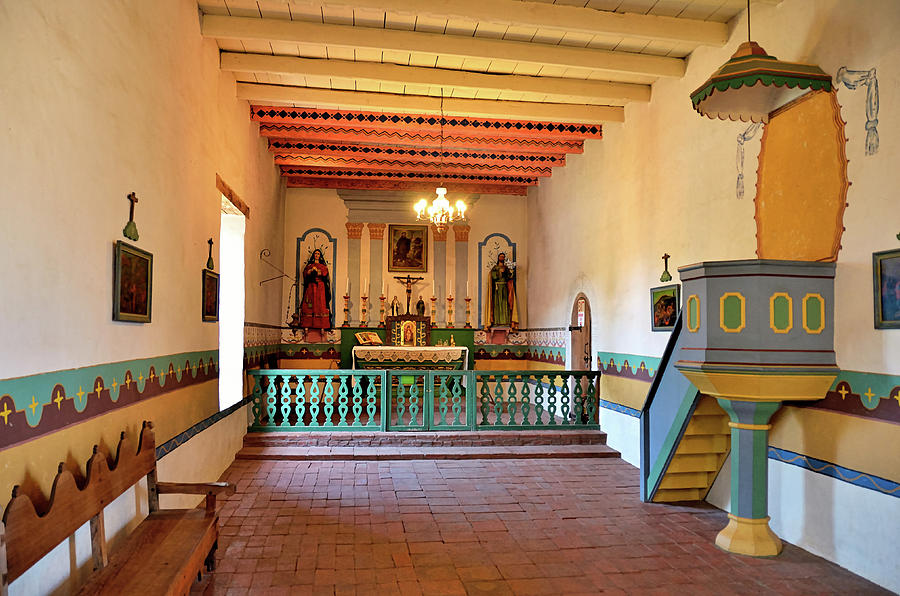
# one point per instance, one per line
(545, 354)
(43, 403)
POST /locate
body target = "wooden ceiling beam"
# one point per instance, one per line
(438, 169)
(422, 154)
(430, 177)
(398, 185)
(574, 19)
(348, 36)
(359, 134)
(553, 89)
(427, 122)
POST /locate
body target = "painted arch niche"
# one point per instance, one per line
(801, 188)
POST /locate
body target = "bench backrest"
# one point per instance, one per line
(31, 535)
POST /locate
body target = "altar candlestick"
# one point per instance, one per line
(382, 298)
(364, 319)
(450, 312)
(468, 313)
(347, 307)
(433, 310)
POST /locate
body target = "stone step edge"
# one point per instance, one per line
(388, 454)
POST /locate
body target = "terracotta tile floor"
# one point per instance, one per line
(483, 527)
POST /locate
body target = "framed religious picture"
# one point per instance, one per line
(132, 283)
(210, 296)
(664, 303)
(886, 285)
(407, 248)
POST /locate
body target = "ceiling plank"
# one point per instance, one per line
(472, 108)
(560, 90)
(574, 19)
(361, 134)
(423, 154)
(358, 184)
(451, 46)
(446, 168)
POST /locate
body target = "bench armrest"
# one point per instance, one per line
(210, 489)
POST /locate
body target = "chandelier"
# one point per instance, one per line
(440, 213)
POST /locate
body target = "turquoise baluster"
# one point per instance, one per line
(414, 403)
(270, 401)
(498, 401)
(328, 400)
(579, 398)
(552, 391)
(457, 400)
(443, 402)
(314, 392)
(357, 401)
(566, 404)
(285, 401)
(526, 400)
(401, 402)
(257, 400)
(485, 399)
(511, 398)
(539, 401)
(301, 400)
(372, 401)
(343, 400)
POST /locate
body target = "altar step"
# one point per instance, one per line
(376, 446)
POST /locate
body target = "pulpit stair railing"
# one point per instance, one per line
(396, 400)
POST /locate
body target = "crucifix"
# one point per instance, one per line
(409, 281)
(666, 276)
(130, 230)
(210, 264)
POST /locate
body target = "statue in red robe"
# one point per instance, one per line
(315, 310)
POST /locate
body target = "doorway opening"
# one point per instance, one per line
(580, 334)
(231, 305)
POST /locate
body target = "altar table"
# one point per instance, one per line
(411, 358)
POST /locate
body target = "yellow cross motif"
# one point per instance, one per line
(642, 366)
(128, 381)
(162, 377)
(33, 405)
(897, 395)
(59, 399)
(99, 388)
(869, 394)
(140, 377)
(5, 412)
(80, 393)
(114, 383)
(152, 374)
(843, 391)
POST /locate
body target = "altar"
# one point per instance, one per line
(411, 357)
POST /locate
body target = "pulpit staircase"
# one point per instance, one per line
(685, 436)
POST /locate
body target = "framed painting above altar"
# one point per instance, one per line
(408, 248)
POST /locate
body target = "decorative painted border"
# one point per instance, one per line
(546, 354)
(184, 436)
(27, 403)
(877, 396)
(309, 352)
(620, 408)
(854, 477)
(629, 366)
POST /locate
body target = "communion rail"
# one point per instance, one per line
(395, 400)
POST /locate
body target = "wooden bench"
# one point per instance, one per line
(162, 555)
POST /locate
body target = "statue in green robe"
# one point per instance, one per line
(502, 310)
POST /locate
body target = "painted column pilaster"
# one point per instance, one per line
(440, 272)
(376, 260)
(354, 235)
(748, 531)
(461, 249)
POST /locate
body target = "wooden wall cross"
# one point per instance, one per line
(130, 231)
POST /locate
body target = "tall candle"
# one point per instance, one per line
(365, 286)
(467, 289)
(433, 287)
(383, 288)
(348, 287)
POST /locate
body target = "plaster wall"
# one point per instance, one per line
(101, 99)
